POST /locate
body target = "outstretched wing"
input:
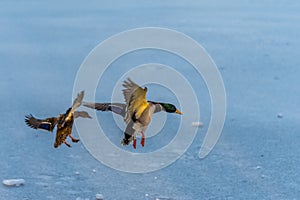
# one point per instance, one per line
(135, 98)
(77, 102)
(129, 88)
(45, 124)
(68, 116)
(118, 108)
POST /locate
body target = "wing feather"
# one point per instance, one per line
(129, 88)
(118, 108)
(45, 124)
(135, 98)
(77, 102)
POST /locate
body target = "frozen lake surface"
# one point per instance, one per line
(255, 45)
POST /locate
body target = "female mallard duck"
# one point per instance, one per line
(64, 122)
(137, 112)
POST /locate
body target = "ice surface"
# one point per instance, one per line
(280, 115)
(256, 46)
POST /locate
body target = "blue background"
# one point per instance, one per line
(255, 45)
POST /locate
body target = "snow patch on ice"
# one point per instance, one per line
(13, 182)
(99, 197)
(197, 124)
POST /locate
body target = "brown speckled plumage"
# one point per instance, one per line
(64, 128)
(64, 122)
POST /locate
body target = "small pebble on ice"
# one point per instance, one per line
(197, 124)
(94, 171)
(279, 115)
(77, 173)
(13, 182)
(146, 195)
(99, 197)
(155, 177)
(258, 167)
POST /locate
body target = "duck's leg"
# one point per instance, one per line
(134, 143)
(73, 139)
(143, 139)
(66, 143)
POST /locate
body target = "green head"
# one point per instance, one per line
(170, 108)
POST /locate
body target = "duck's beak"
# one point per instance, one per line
(178, 112)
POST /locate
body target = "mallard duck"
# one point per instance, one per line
(137, 112)
(120, 108)
(64, 122)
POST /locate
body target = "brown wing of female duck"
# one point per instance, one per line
(45, 124)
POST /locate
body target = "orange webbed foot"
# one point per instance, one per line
(143, 139)
(134, 143)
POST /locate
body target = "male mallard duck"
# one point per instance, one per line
(137, 112)
(120, 108)
(64, 122)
